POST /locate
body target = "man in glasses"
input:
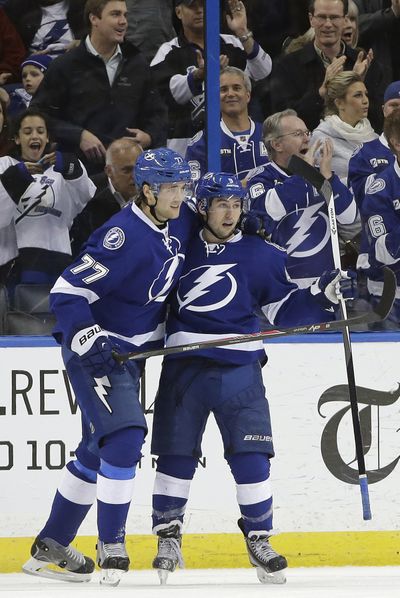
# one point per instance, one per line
(299, 79)
(296, 214)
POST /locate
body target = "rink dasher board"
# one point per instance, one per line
(319, 515)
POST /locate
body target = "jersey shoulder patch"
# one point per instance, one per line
(114, 238)
(374, 185)
(195, 138)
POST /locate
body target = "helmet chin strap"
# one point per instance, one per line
(154, 213)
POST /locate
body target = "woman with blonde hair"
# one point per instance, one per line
(346, 119)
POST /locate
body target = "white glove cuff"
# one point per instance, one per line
(85, 338)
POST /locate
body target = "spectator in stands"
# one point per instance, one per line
(374, 156)
(149, 24)
(32, 71)
(345, 122)
(297, 214)
(178, 66)
(102, 89)
(380, 212)
(379, 25)
(350, 32)
(47, 26)
(299, 79)
(242, 147)
(115, 189)
(275, 21)
(41, 193)
(5, 141)
(12, 51)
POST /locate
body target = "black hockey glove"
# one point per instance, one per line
(95, 350)
(255, 222)
(68, 165)
(332, 286)
(16, 179)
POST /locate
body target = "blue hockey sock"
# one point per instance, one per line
(120, 452)
(73, 499)
(253, 490)
(171, 488)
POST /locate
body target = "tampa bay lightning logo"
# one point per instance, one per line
(305, 232)
(38, 198)
(169, 273)
(207, 288)
(114, 238)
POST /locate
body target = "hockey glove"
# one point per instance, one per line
(95, 350)
(333, 286)
(255, 222)
(68, 165)
(16, 179)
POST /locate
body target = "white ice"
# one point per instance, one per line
(326, 582)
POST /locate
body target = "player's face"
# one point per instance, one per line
(293, 139)
(222, 217)
(31, 78)
(354, 105)
(191, 16)
(234, 96)
(328, 22)
(111, 26)
(120, 172)
(390, 106)
(32, 137)
(169, 200)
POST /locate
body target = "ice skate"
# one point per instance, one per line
(169, 550)
(269, 564)
(73, 565)
(113, 561)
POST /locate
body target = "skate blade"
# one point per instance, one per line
(41, 569)
(111, 577)
(277, 577)
(163, 576)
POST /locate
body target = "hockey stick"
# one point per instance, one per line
(379, 313)
(300, 167)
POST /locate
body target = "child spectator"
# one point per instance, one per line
(33, 70)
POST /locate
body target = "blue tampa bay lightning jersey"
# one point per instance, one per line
(222, 286)
(239, 152)
(298, 218)
(122, 278)
(380, 214)
(369, 159)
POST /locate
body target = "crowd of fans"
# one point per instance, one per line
(86, 86)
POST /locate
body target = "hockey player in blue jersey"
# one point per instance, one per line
(242, 147)
(113, 297)
(374, 156)
(380, 213)
(226, 277)
(297, 213)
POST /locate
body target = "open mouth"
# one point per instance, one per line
(35, 146)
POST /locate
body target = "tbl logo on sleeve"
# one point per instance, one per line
(114, 238)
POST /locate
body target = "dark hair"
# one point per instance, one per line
(93, 7)
(344, 2)
(391, 128)
(17, 122)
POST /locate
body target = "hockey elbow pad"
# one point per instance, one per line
(68, 165)
(16, 179)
